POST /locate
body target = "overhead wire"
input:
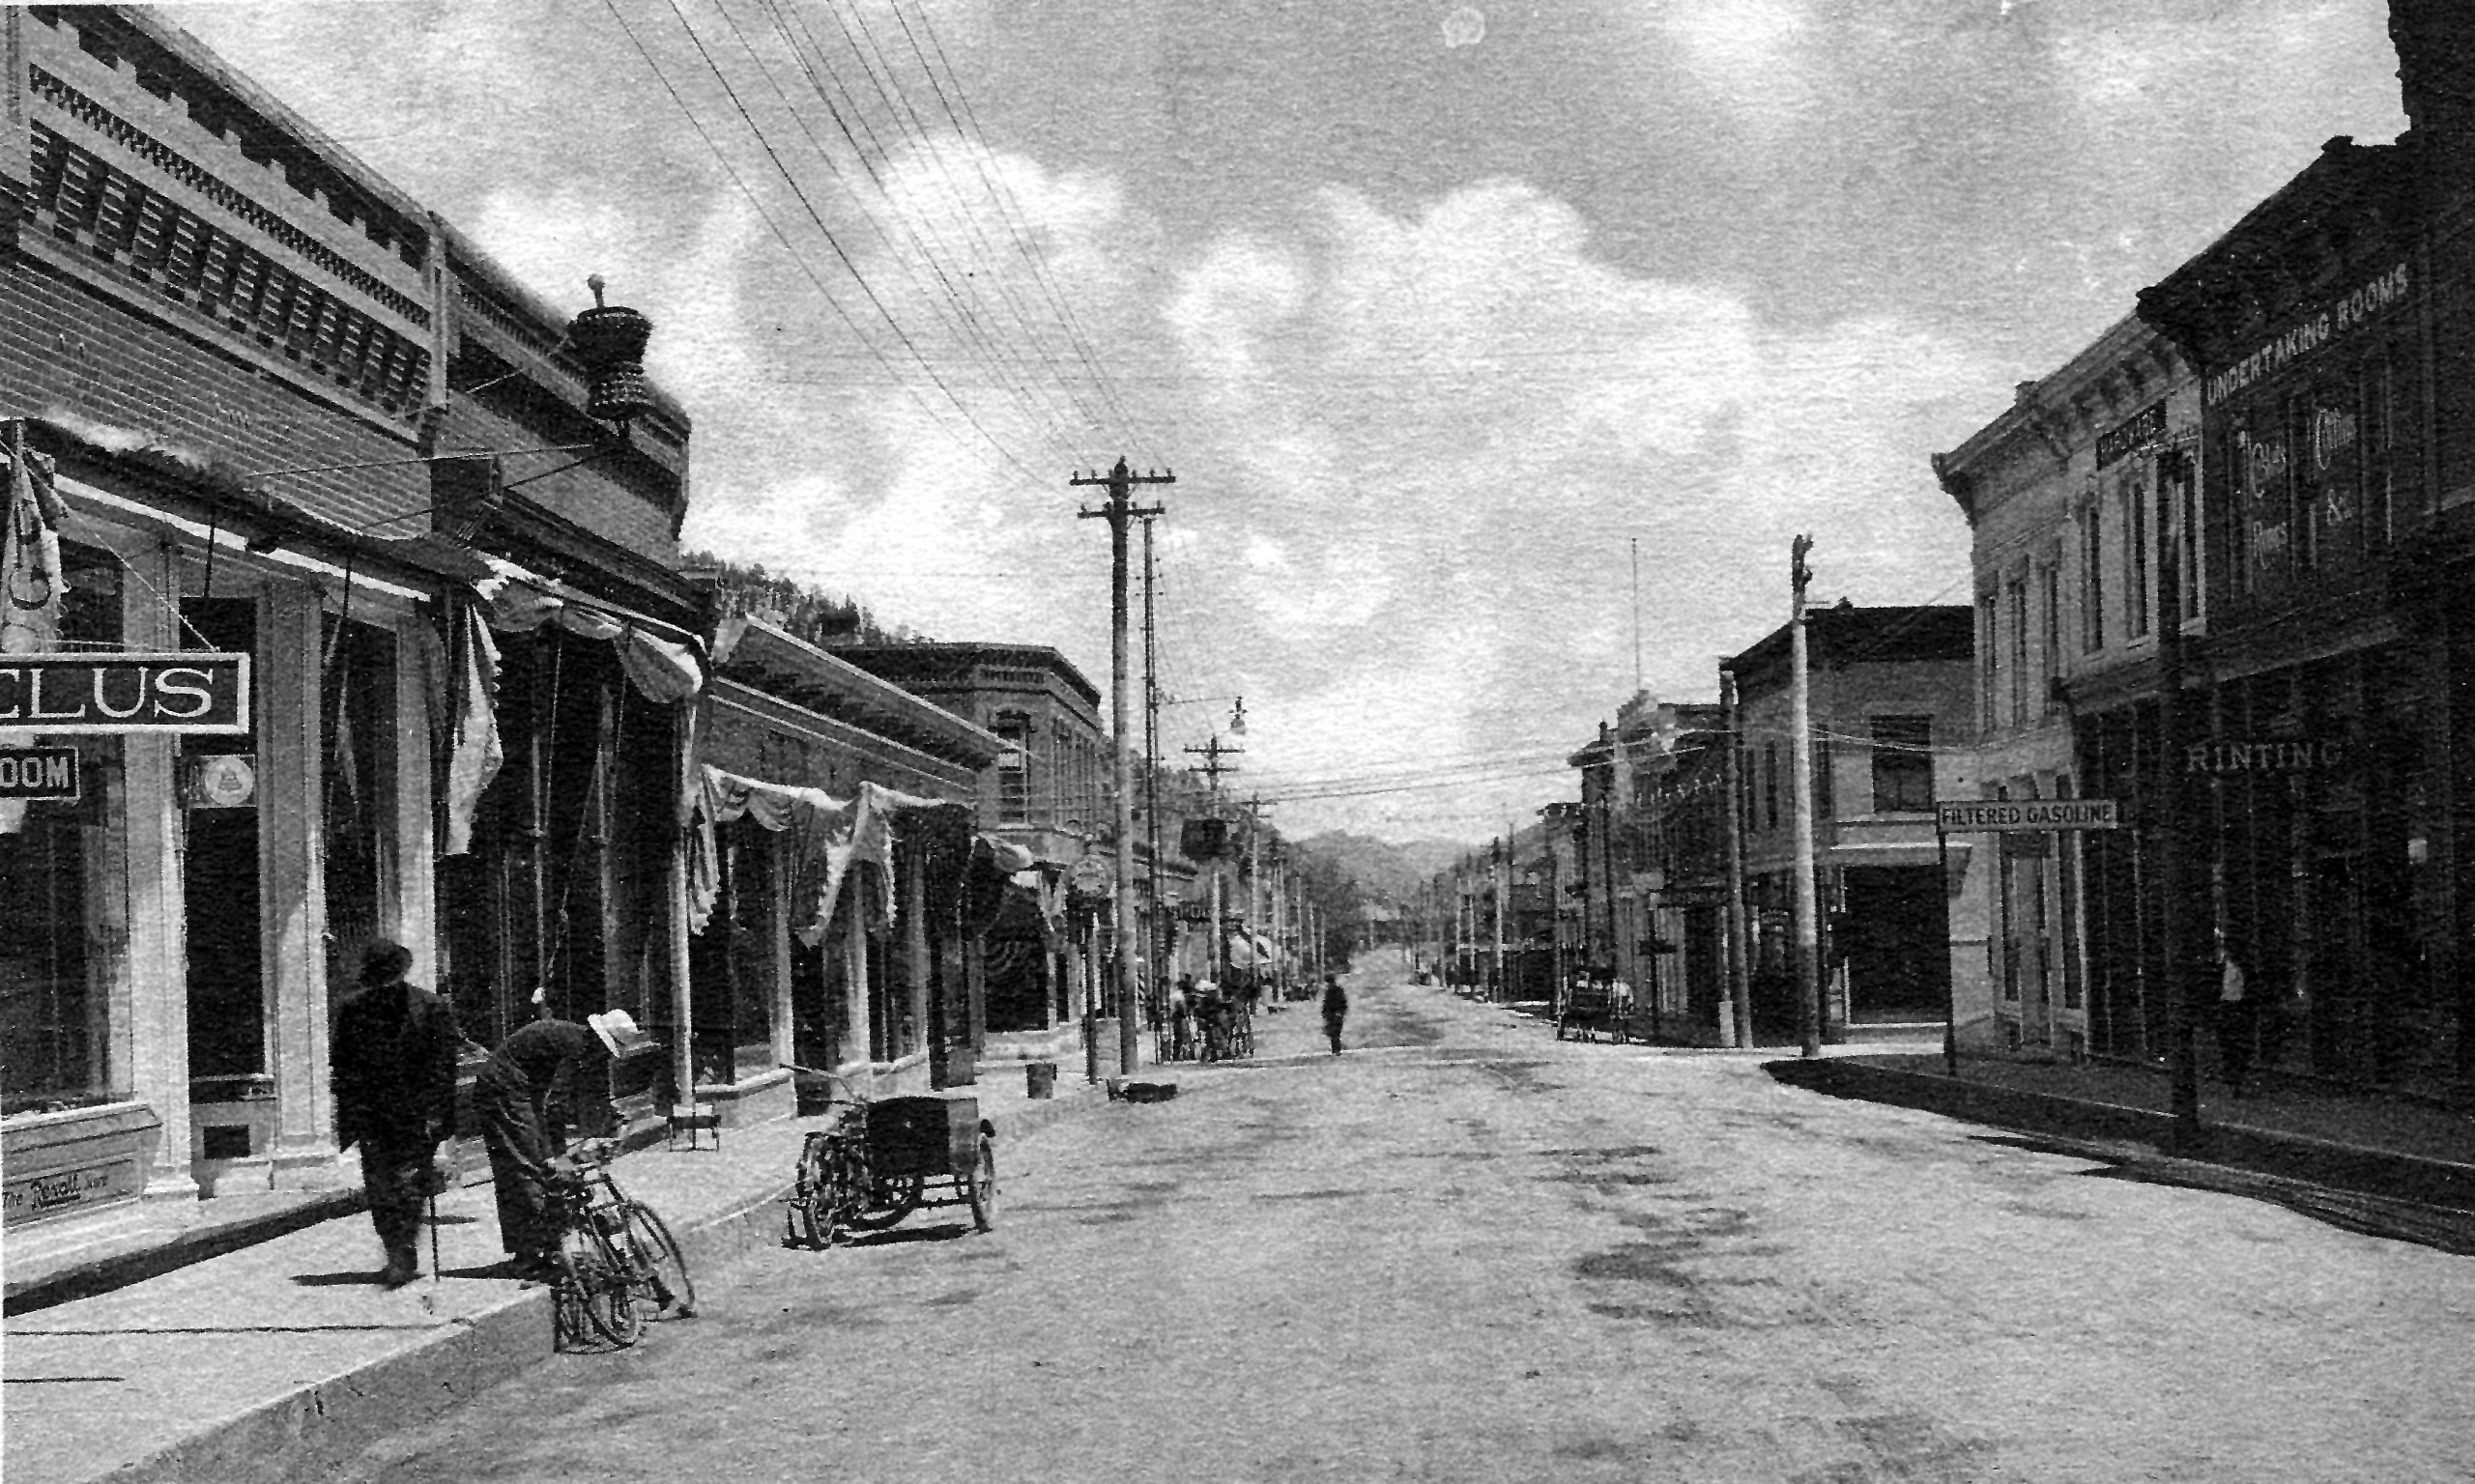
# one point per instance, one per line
(799, 258)
(970, 309)
(1019, 227)
(865, 47)
(957, 315)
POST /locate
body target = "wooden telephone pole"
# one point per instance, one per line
(1808, 906)
(1119, 483)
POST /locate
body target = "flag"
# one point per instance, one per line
(31, 584)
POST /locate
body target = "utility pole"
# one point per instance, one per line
(2180, 931)
(1739, 941)
(1499, 877)
(1119, 483)
(1808, 909)
(1216, 952)
(1255, 892)
(1157, 947)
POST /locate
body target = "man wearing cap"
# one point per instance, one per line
(509, 1098)
(391, 1063)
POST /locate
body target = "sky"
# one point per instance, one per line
(1450, 320)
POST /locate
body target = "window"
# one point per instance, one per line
(1014, 768)
(1988, 674)
(2135, 555)
(2092, 579)
(1903, 763)
(2380, 485)
(1771, 783)
(1822, 800)
(2019, 648)
(2050, 651)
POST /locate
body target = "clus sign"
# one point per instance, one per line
(77, 694)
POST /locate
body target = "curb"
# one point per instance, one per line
(318, 1431)
(2391, 1176)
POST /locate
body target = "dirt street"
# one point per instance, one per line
(1463, 1250)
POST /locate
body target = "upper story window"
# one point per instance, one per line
(2019, 650)
(2134, 489)
(1014, 767)
(1989, 659)
(2092, 577)
(1903, 763)
(1770, 785)
(2050, 650)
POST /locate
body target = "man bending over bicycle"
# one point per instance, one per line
(509, 1100)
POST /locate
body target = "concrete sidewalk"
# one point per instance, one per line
(284, 1358)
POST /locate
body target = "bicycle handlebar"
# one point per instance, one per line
(853, 1088)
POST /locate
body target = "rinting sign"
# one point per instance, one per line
(81, 694)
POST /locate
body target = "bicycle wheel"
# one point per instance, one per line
(659, 1269)
(841, 1197)
(599, 1279)
(807, 1218)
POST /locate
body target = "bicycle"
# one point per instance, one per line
(845, 1184)
(617, 1264)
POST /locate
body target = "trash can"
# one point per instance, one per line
(1040, 1078)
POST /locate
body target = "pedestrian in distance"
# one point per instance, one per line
(2234, 1012)
(391, 1066)
(1181, 1017)
(510, 1099)
(1336, 1010)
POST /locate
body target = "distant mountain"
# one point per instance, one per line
(1380, 868)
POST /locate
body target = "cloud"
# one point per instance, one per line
(1465, 415)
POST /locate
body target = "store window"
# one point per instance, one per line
(1903, 763)
(65, 877)
(357, 716)
(1770, 785)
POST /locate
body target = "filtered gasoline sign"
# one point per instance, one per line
(75, 694)
(37, 772)
(1980, 816)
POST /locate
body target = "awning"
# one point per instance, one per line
(663, 663)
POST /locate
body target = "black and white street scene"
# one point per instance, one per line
(1027, 740)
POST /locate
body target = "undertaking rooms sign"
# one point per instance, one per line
(78, 693)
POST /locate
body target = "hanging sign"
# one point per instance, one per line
(1092, 876)
(38, 773)
(1995, 816)
(90, 693)
(223, 781)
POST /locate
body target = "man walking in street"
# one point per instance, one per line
(1336, 1010)
(393, 1068)
(510, 1099)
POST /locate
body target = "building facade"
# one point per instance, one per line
(271, 409)
(2076, 497)
(1893, 710)
(2324, 768)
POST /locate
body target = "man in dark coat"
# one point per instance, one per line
(393, 1069)
(510, 1099)
(1335, 1008)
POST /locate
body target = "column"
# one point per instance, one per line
(913, 905)
(778, 920)
(158, 993)
(411, 917)
(292, 857)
